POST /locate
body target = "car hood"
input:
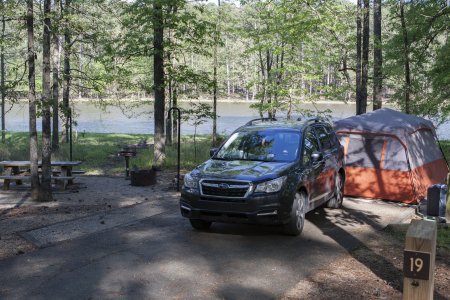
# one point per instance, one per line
(237, 168)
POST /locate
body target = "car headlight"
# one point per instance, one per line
(190, 182)
(271, 186)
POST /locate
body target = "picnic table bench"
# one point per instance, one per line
(13, 171)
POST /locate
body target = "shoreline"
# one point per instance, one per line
(110, 101)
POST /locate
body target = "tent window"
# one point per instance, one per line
(423, 148)
(395, 157)
(364, 152)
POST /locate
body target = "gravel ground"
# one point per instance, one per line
(372, 271)
(89, 195)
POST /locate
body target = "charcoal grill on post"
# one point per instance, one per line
(127, 152)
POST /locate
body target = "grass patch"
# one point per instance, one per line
(442, 239)
(98, 151)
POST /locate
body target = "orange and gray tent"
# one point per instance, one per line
(390, 155)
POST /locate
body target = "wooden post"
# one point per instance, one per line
(419, 259)
(447, 210)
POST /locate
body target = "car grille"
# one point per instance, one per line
(227, 189)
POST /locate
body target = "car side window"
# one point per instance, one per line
(310, 146)
(333, 137)
(324, 137)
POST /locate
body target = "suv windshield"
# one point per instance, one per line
(261, 145)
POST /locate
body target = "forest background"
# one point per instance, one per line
(278, 53)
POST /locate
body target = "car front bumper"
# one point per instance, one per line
(255, 209)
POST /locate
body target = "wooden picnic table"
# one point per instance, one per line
(13, 170)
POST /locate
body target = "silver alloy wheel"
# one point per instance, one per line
(300, 211)
(339, 190)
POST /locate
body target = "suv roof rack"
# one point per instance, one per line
(312, 119)
(249, 123)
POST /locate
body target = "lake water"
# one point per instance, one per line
(90, 117)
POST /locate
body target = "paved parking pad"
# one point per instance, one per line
(161, 257)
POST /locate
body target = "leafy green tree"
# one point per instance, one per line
(414, 56)
(196, 115)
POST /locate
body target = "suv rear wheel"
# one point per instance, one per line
(338, 197)
(200, 224)
(297, 220)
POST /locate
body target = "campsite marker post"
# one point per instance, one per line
(418, 260)
(447, 209)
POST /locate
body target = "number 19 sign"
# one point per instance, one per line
(416, 265)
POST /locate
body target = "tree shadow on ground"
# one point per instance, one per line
(326, 221)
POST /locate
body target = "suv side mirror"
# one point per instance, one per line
(212, 151)
(316, 156)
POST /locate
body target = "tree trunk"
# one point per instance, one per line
(2, 74)
(175, 115)
(45, 192)
(377, 56)
(169, 120)
(348, 94)
(264, 83)
(66, 71)
(365, 58)
(55, 87)
(358, 57)
(214, 129)
(269, 60)
(158, 81)
(32, 104)
(407, 87)
(80, 65)
(228, 71)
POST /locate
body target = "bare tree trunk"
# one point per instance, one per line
(407, 87)
(80, 63)
(35, 184)
(228, 71)
(169, 120)
(66, 71)
(45, 192)
(358, 57)
(264, 83)
(365, 58)
(214, 129)
(55, 87)
(158, 80)
(175, 115)
(348, 94)
(377, 56)
(2, 81)
(269, 60)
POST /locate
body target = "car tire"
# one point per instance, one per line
(338, 197)
(297, 219)
(200, 224)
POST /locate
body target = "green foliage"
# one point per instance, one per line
(427, 24)
(98, 151)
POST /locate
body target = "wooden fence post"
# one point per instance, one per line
(418, 260)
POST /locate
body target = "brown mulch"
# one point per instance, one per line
(372, 271)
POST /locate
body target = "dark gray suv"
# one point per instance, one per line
(267, 172)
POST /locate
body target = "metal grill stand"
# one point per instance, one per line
(127, 152)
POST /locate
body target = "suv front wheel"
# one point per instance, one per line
(298, 212)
